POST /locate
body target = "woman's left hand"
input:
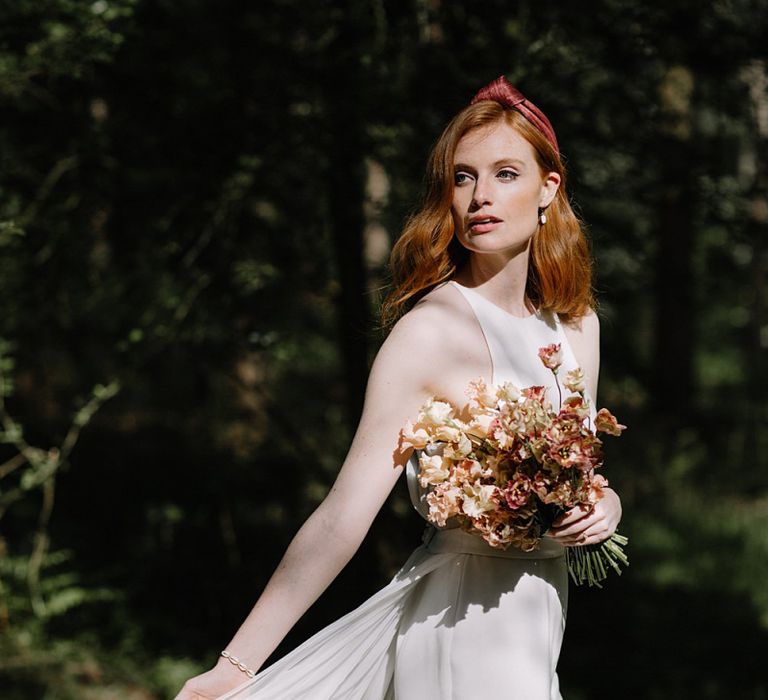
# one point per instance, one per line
(588, 525)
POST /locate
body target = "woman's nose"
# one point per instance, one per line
(480, 195)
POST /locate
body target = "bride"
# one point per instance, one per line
(494, 263)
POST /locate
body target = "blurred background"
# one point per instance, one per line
(197, 200)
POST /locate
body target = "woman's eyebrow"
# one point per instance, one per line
(496, 164)
(509, 161)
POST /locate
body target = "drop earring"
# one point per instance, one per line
(542, 218)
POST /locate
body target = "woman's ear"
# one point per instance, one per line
(549, 189)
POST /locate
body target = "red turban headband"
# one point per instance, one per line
(503, 92)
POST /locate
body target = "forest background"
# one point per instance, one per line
(197, 200)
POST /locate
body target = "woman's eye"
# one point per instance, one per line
(507, 174)
(460, 178)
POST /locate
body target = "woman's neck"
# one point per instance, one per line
(503, 282)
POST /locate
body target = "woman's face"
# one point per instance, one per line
(498, 190)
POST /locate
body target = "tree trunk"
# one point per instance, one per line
(346, 195)
(673, 387)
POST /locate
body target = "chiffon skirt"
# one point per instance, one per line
(459, 621)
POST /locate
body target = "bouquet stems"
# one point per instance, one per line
(590, 563)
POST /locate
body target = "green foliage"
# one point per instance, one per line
(178, 194)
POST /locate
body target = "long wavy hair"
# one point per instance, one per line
(427, 252)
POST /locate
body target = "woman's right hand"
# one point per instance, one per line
(212, 684)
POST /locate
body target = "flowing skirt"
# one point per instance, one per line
(459, 621)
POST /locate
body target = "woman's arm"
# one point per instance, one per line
(583, 525)
(401, 379)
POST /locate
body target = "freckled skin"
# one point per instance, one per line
(497, 175)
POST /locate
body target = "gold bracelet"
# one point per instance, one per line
(236, 662)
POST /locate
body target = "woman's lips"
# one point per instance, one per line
(485, 225)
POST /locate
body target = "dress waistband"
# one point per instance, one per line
(455, 540)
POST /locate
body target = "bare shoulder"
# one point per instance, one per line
(438, 344)
(586, 327)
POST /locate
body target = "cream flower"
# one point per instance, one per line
(478, 499)
(436, 413)
(508, 392)
(574, 380)
(460, 449)
(433, 470)
(447, 433)
(413, 436)
(480, 397)
(480, 424)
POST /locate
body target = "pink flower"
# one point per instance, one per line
(606, 422)
(443, 503)
(551, 356)
(580, 452)
(535, 393)
(518, 491)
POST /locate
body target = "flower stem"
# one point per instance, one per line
(590, 564)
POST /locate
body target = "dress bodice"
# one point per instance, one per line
(513, 344)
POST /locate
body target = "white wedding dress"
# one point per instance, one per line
(460, 620)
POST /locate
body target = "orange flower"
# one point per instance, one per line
(606, 422)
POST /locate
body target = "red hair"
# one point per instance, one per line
(427, 253)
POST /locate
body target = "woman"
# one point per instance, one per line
(493, 266)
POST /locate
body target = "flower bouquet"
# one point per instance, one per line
(515, 465)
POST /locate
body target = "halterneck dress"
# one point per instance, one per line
(460, 620)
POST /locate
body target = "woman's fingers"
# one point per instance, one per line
(574, 528)
(588, 525)
(591, 533)
(571, 516)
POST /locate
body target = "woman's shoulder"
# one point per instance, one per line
(439, 314)
(584, 329)
(438, 343)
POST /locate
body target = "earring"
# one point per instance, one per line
(542, 218)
